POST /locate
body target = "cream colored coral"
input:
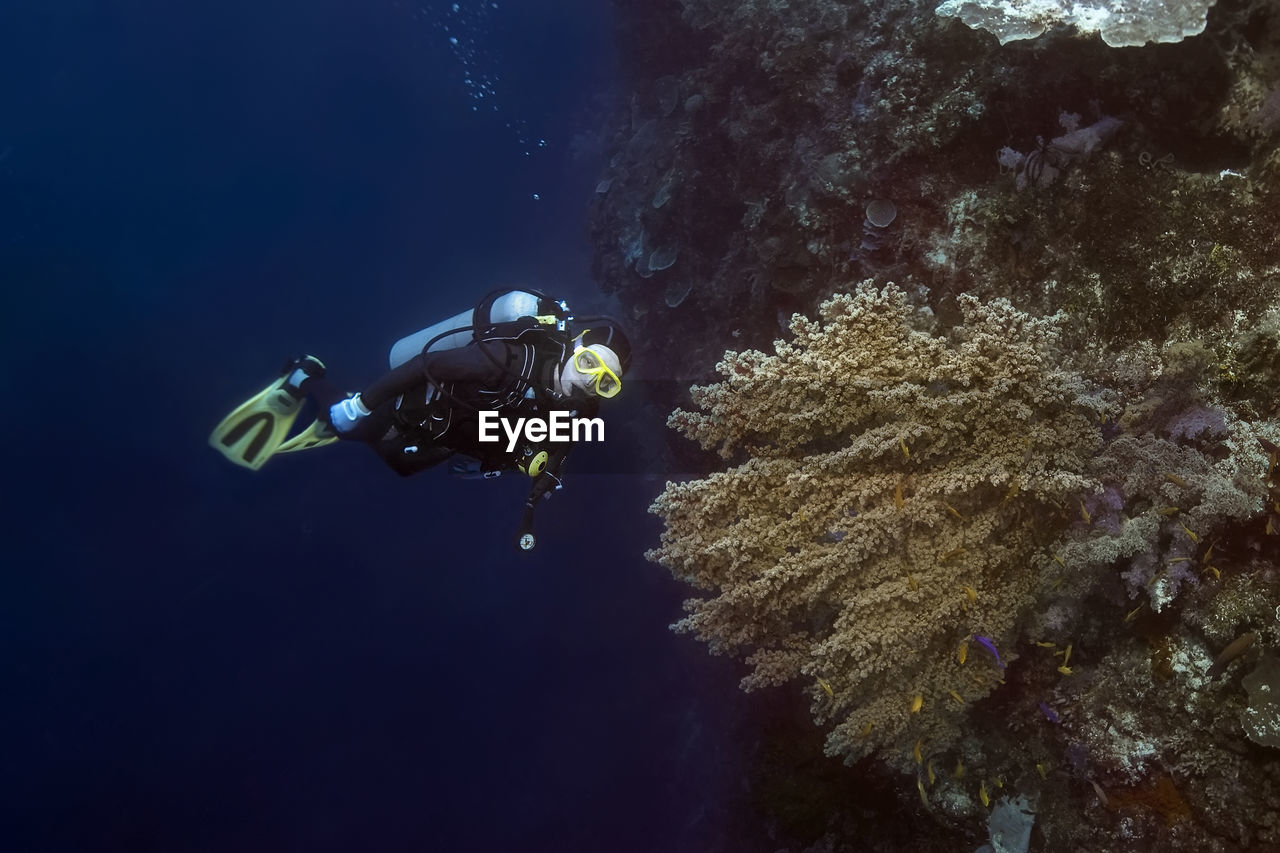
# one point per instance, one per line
(898, 492)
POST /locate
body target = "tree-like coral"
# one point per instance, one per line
(889, 525)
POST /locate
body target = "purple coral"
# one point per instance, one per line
(1197, 422)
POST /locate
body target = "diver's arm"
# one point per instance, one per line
(549, 480)
(467, 364)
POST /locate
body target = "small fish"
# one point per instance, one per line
(983, 795)
(1175, 479)
(822, 682)
(991, 647)
(1207, 554)
(933, 777)
(917, 751)
(924, 798)
(897, 496)
(1084, 513)
(1132, 614)
(1066, 656)
(866, 730)
(1044, 645)
(903, 444)
(952, 510)
(1190, 533)
(962, 653)
(911, 582)
(1168, 511)
(959, 771)
(1213, 570)
(956, 696)
(1065, 670)
(954, 552)
(1043, 774)
(1234, 649)
(1058, 559)
(972, 594)
(917, 702)
(1049, 714)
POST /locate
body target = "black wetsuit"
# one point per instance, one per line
(413, 426)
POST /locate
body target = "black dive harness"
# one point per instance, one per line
(541, 339)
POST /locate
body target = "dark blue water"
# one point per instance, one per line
(320, 655)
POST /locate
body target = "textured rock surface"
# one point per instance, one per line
(753, 139)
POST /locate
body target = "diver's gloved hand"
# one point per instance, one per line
(543, 486)
(345, 415)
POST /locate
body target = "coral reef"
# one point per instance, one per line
(922, 520)
(890, 516)
(1129, 23)
(752, 142)
(747, 155)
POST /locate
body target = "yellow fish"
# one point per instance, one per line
(983, 795)
(917, 702)
(822, 682)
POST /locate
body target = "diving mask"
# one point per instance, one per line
(591, 364)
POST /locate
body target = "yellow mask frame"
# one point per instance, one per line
(604, 382)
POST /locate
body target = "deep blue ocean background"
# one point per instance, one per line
(317, 656)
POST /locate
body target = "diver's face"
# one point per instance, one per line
(591, 371)
(574, 382)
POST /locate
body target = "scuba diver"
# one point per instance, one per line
(517, 355)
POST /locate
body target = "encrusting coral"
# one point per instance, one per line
(889, 525)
